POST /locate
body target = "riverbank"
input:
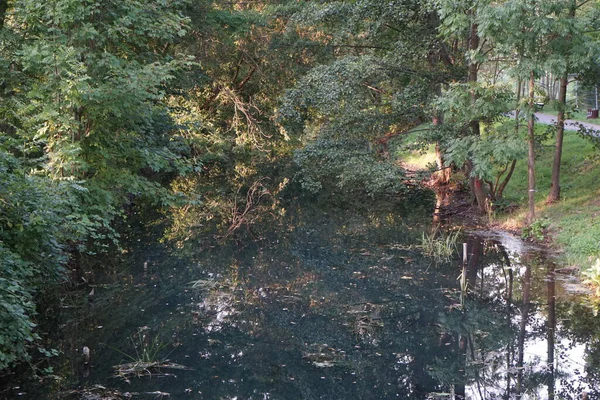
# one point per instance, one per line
(571, 225)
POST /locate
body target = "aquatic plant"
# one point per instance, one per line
(439, 246)
(147, 360)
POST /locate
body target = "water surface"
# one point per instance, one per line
(326, 304)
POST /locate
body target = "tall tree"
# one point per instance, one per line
(97, 72)
(571, 52)
(461, 25)
(83, 125)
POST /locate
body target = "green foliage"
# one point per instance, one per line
(39, 222)
(95, 79)
(84, 126)
(537, 230)
(347, 166)
(488, 153)
(375, 85)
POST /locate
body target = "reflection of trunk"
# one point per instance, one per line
(551, 328)
(531, 155)
(460, 388)
(476, 245)
(510, 348)
(523, 328)
(508, 295)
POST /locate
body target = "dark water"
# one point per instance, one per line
(325, 304)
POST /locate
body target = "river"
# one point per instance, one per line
(326, 303)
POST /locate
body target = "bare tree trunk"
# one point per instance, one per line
(554, 194)
(511, 169)
(531, 155)
(500, 189)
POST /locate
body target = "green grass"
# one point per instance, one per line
(574, 221)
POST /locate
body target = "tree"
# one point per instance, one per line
(39, 224)
(385, 69)
(570, 54)
(83, 126)
(96, 73)
(462, 23)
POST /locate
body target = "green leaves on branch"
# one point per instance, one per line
(347, 166)
(39, 224)
(462, 103)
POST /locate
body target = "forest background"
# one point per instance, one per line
(211, 112)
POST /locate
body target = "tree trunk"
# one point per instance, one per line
(511, 169)
(442, 175)
(554, 194)
(531, 155)
(476, 183)
(478, 187)
(500, 189)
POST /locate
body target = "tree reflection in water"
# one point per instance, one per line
(511, 329)
(338, 304)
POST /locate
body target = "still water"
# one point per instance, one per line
(325, 304)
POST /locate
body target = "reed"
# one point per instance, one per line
(439, 245)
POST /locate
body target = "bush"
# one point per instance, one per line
(36, 223)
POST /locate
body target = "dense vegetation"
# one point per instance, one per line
(209, 110)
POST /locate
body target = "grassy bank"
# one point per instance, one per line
(573, 223)
(574, 115)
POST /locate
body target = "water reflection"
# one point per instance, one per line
(336, 304)
(525, 365)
